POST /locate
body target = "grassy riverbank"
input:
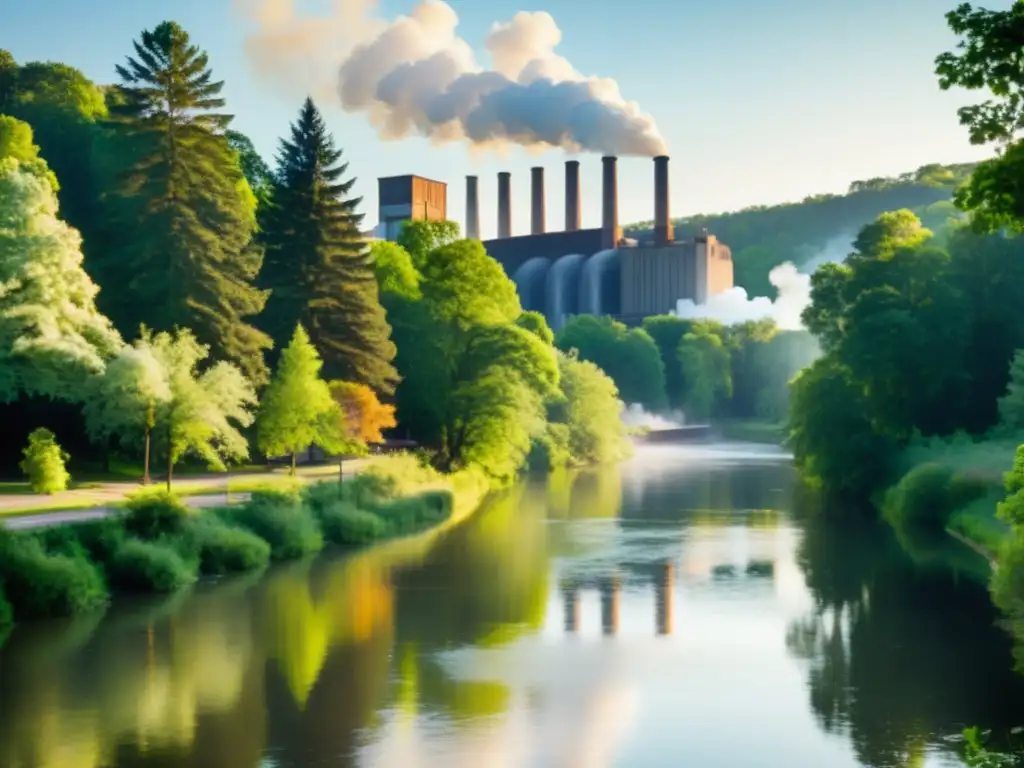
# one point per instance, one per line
(160, 545)
(953, 485)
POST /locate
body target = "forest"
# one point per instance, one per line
(169, 301)
(922, 339)
(178, 297)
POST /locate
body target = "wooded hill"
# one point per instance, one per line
(763, 236)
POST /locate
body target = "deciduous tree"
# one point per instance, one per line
(52, 337)
(123, 401)
(298, 410)
(629, 356)
(206, 408)
(365, 417)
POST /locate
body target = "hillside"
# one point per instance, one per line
(820, 227)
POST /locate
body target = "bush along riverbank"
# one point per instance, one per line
(160, 545)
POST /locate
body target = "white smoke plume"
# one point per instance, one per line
(793, 286)
(415, 76)
(634, 415)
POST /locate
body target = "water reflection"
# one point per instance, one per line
(674, 611)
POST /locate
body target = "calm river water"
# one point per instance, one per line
(679, 610)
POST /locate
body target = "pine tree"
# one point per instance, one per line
(184, 212)
(318, 267)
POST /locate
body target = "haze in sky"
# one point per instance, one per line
(757, 103)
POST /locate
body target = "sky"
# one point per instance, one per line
(758, 102)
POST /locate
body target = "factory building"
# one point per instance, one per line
(587, 271)
(409, 197)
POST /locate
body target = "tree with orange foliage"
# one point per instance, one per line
(365, 416)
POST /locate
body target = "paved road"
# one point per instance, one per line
(43, 519)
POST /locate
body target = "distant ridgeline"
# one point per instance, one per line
(821, 226)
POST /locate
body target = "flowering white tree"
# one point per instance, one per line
(122, 403)
(204, 411)
(52, 337)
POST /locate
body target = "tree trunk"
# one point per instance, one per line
(145, 460)
(170, 469)
(341, 475)
(292, 473)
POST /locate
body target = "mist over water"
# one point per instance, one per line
(634, 416)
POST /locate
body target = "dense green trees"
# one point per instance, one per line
(318, 267)
(185, 214)
(919, 337)
(51, 335)
(473, 381)
(629, 356)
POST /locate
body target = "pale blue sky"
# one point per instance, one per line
(760, 102)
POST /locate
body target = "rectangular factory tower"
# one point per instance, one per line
(402, 198)
(653, 279)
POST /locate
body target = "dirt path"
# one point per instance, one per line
(198, 491)
(24, 522)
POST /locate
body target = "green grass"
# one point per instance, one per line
(984, 462)
(977, 522)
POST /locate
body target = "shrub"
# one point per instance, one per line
(550, 450)
(40, 585)
(415, 513)
(401, 474)
(6, 612)
(922, 499)
(44, 463)
(157, 514)
(1008, 578)
(323, 495)
(95, 540)
(926, 497)
(146, 566)
(282, 521)
(343, 524)
(225, 548)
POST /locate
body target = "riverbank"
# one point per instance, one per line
(158, 544)
(954, 484)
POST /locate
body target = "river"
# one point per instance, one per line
(683, 609)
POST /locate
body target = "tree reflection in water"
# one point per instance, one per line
(899, 655)
(348, 660)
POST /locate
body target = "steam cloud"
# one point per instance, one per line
(415, 75)
(793, 286)
(634, 415)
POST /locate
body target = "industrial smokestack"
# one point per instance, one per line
(572, 195)
(472, 208)
(664, 232)
(504, 204)
(610, 204)
(537, 201)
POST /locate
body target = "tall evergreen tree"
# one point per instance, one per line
(318, 267)
(183, 211)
